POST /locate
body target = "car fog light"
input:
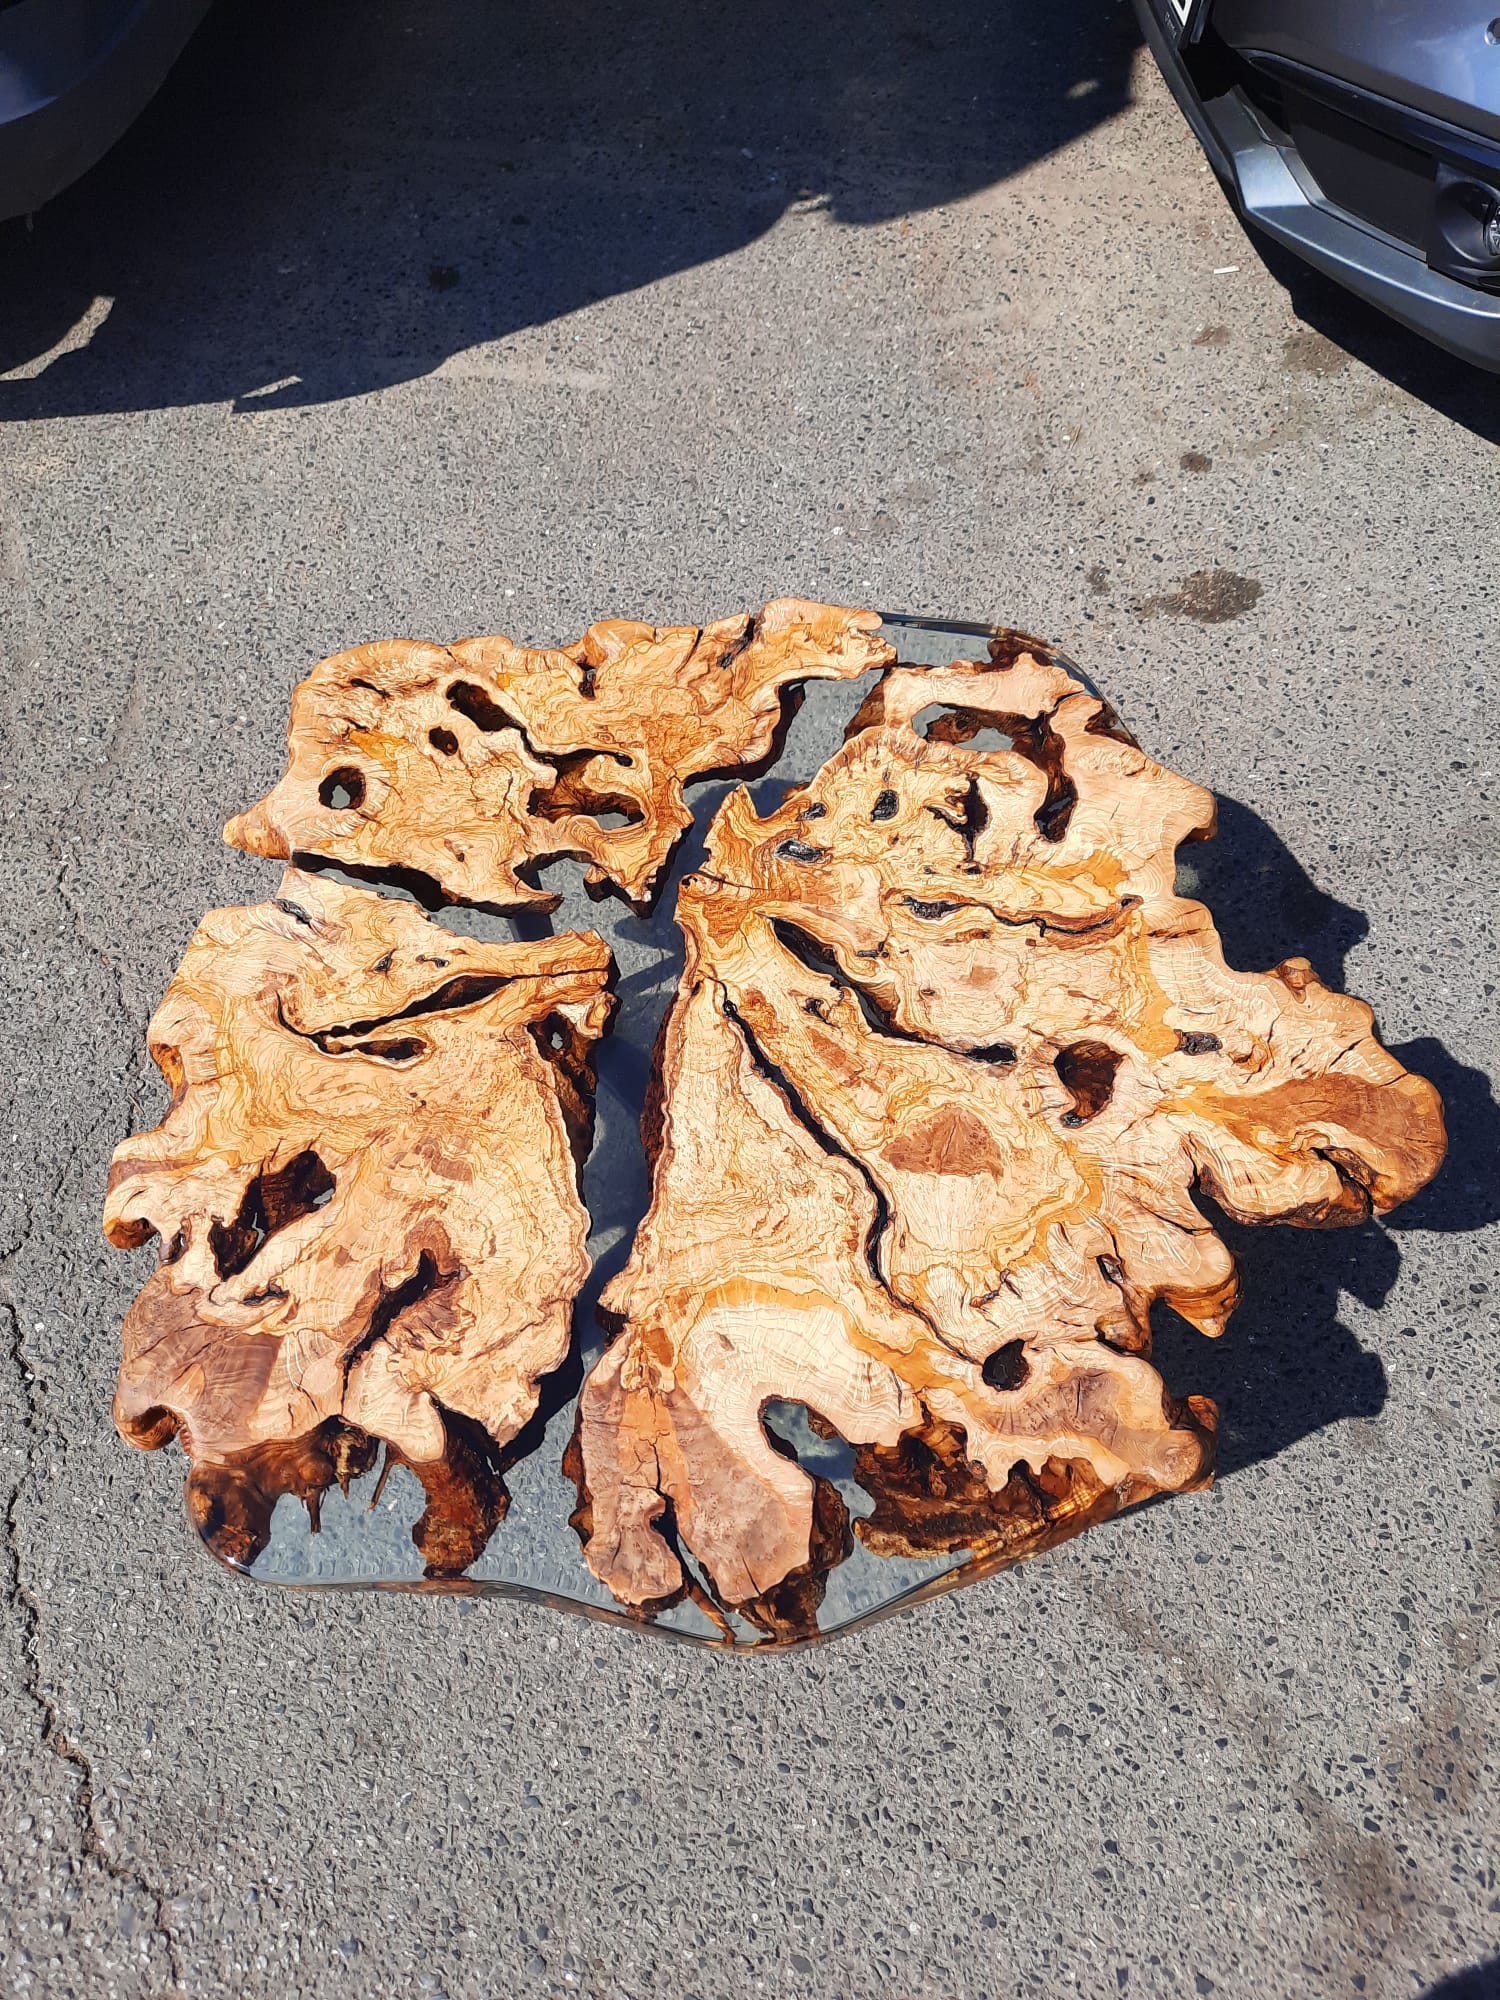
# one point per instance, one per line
(1464, 238)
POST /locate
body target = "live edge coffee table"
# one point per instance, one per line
(775, 1244)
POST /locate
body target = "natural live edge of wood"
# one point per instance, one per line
(230, 1500)
(948, 1058)
(366, 1195)
(461, 769)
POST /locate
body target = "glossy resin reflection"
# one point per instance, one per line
(338, 1511)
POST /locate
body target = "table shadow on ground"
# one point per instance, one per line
(328, 199)
(1288, 1366)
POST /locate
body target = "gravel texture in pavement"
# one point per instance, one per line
(427, 319)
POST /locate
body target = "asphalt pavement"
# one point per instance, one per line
(398, 319)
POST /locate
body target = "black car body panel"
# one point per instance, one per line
(1365, 139)
(73, 74)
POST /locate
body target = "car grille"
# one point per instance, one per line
(1370, 174)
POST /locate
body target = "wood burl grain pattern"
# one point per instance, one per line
(459, 770)
(366, 1198)
(948, 1060)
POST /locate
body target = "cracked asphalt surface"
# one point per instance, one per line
(392, 319)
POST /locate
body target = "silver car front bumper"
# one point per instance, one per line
(1274, 191)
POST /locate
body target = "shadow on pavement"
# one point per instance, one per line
(1479, 1982)
(1288, 1366)
(1265, 905)
(1455, 389)
(329, 198)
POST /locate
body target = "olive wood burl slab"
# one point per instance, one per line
(365, 1192)
(948, 1062)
